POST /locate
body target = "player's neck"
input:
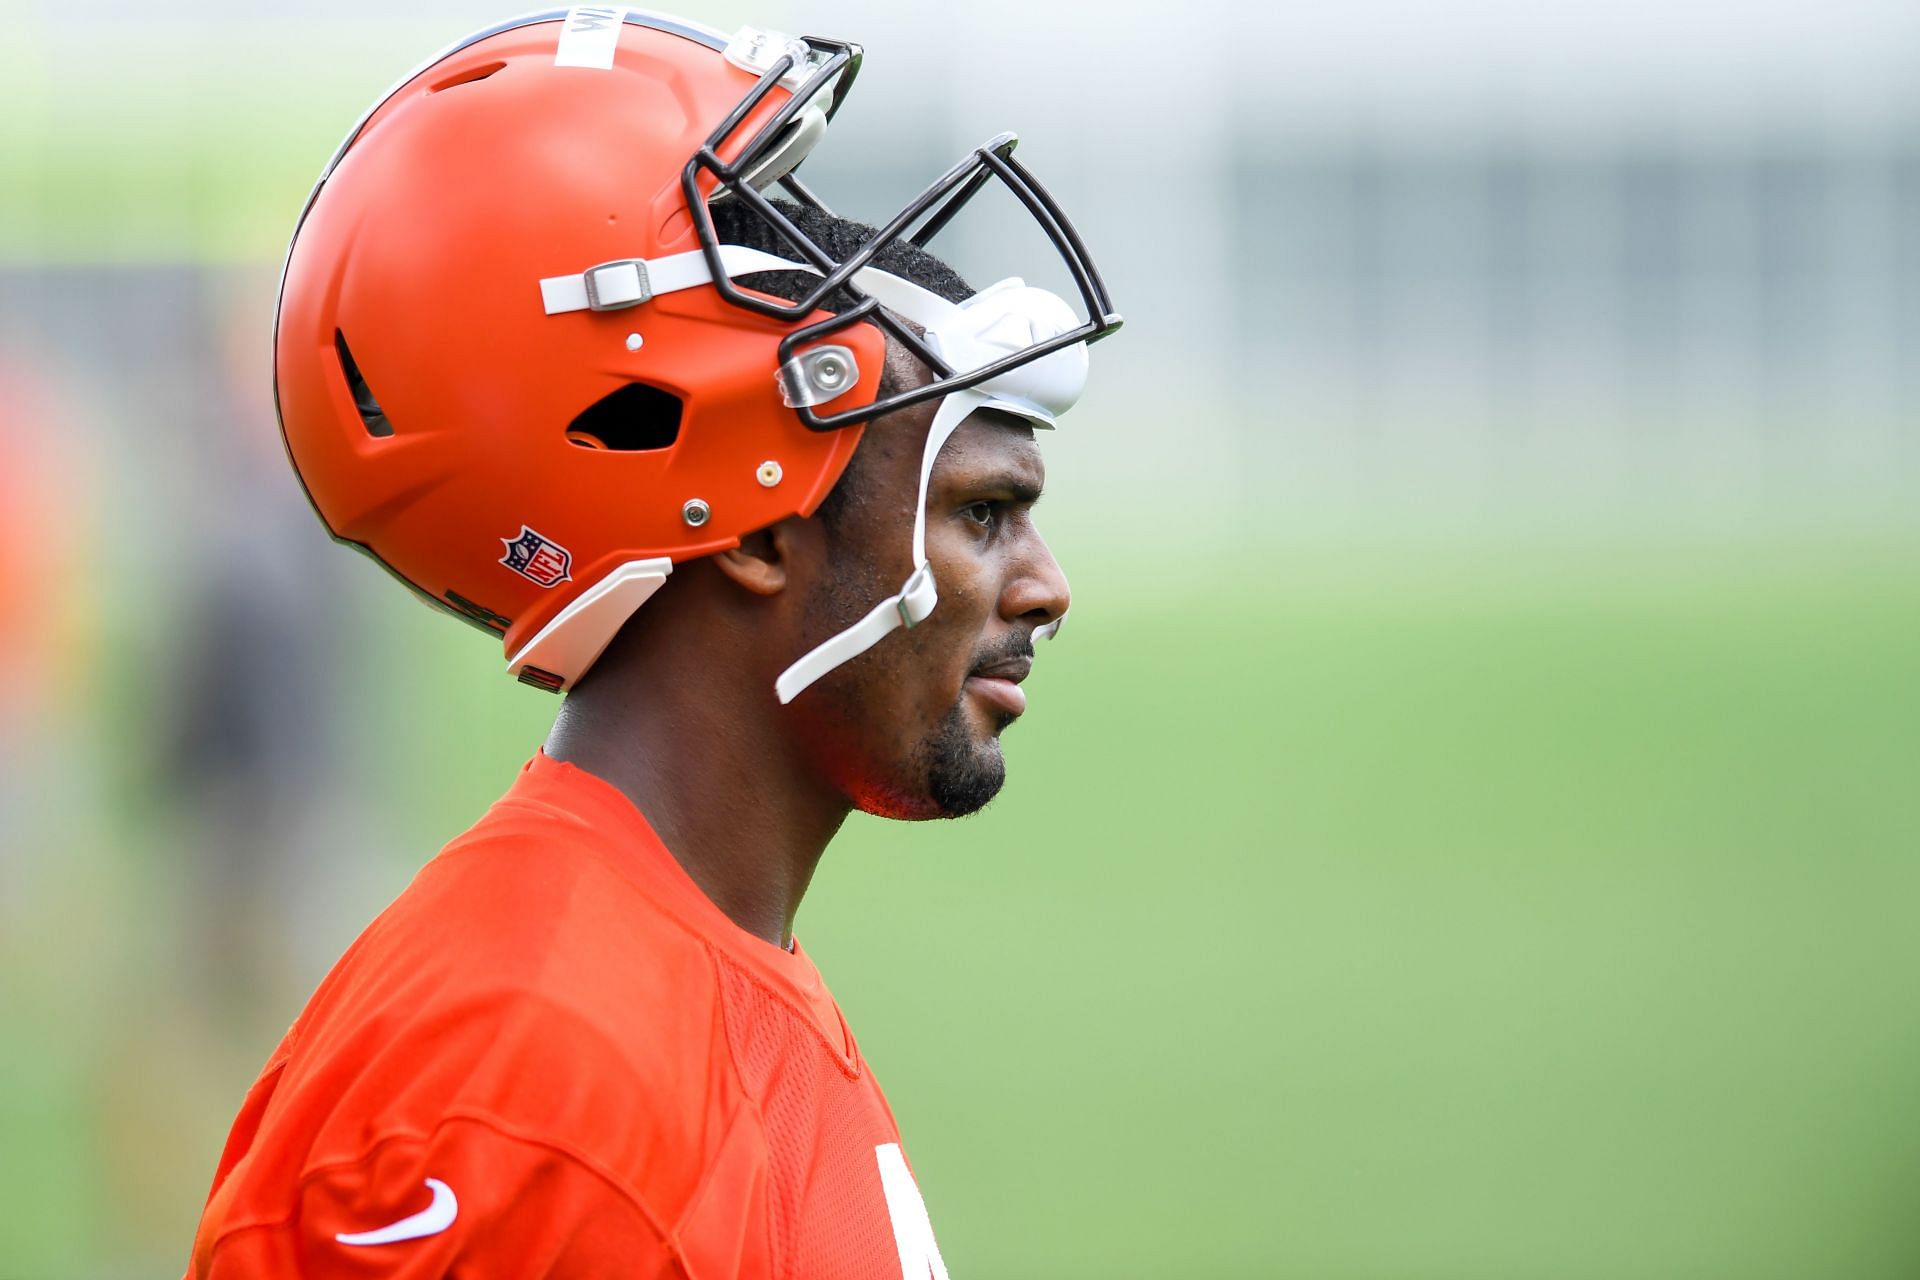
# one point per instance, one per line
(747, 825)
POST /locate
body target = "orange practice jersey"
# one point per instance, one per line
(553, 1056)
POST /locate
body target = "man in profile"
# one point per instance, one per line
(753, 485)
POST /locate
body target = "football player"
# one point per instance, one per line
(566, 345)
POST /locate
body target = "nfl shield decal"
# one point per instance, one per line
(532, 556)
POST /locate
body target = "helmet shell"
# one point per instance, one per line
(422, 254)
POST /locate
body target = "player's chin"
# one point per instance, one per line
(946, 785)
(964, 773)
(955, 770)
(959, 796)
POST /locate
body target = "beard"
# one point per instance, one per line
(964, 773)
(961, 774)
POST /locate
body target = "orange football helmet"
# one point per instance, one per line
(511, 359)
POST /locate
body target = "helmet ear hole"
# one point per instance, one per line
(636, 417)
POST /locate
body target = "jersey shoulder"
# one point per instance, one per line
(521, 980)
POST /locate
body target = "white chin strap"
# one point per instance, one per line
(628, 282)
(907, 607)
(1000, 320)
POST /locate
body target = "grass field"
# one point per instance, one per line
(1357, 917)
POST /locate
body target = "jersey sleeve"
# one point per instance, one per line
(467, 1200)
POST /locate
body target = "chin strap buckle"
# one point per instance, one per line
(917, 597)
(909, 608)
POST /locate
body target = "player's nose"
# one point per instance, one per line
(1037, 592)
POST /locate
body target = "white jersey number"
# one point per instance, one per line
(912, 1232)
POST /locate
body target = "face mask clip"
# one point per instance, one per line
(818, 375)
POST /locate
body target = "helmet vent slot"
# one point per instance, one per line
(469, 76)
(372, 416)
(637, 417)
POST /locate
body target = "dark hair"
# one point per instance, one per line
(734, 223)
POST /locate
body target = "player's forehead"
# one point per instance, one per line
(992, 444)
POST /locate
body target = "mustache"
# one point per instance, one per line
(1017, 645)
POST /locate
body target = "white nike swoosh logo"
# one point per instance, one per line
(430, 1221)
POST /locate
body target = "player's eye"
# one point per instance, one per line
(981, 513)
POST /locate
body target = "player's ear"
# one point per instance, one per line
(761, 560)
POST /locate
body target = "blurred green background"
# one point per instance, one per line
(1469, 827)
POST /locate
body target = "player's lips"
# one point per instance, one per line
(998, 684)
